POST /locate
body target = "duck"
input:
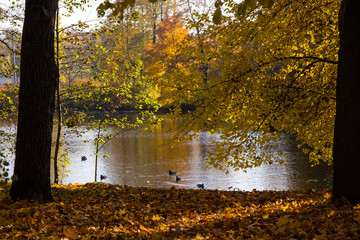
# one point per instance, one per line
(83, 158)
(178, 179)
(201, 186)
(102, 177)
(172, 173)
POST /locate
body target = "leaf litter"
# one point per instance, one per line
(106, 211)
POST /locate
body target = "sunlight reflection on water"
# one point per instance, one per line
(136, 159)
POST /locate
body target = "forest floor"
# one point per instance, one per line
(105, 211)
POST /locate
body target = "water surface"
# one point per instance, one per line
(138, 159)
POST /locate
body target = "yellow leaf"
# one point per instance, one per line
(331, 213)
(327, 195)
(156, 218)
(121, 212)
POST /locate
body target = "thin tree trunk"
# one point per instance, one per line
(154, 32)
(97, 144)
(58, 104)
(38, 79)
(347, 122)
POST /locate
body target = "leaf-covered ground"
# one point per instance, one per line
(104, 211)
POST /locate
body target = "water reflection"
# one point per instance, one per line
(138, 159)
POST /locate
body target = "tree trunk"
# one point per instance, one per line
(58, 104)
(38, 81)
(347, 122)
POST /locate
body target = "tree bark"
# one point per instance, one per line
(38, 81)
(347, 122)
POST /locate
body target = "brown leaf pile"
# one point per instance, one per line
(104, 211)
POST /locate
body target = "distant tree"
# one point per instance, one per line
(38, 82)
(163, 60)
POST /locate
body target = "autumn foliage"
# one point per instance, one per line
(104, 211)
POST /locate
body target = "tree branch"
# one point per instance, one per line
(6, 44)
(318, 59)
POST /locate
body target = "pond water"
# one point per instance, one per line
(138, 159)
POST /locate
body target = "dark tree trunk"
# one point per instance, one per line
(154, 33)
(347, 122)
(38, 81)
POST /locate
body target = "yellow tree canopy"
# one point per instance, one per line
(276, 73)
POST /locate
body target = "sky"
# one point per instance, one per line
(89, 15)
